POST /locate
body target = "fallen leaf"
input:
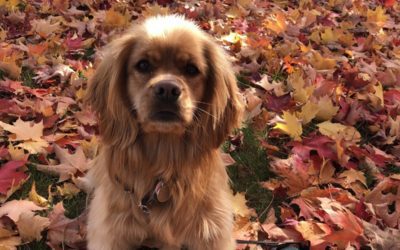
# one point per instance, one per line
(10, 176)
(290, 125)
(30, 226)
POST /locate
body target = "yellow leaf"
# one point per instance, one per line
(328, 36)
(239, 206)
(9, 4)
(36, 198)
(308, 112)
(379, 92)
(346, 39)
(315, 37)
(339, 131)
(17, 154)
(80, 93)
(326, 109)
(115, 19)
(155, 10)
(322, 63)
(290, 125)
(377, 16)
(277, 22)
(301, 94)
(68, 190)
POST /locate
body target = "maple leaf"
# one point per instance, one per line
(45, 28)
(385, 194)
(290, 125)
(350, 226)
(30, 226)
(9, 176)
(276, 22)
(326, 109)
(320, 62)
(13, 209)
(115, 19)
(389, 238)
(64, 230)
(339, 131)
(308, 112)
(30, 136)
(69, 163)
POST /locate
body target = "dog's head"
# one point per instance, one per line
(165, 76)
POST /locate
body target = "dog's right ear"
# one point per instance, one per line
(106, 94)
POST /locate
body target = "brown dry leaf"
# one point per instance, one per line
(30, 226)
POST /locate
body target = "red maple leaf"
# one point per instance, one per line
(10, 176)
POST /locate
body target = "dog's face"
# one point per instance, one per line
(166, 81)
(165, 76)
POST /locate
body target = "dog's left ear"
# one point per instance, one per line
(226, 104)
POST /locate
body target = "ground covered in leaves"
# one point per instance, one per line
(318, 158)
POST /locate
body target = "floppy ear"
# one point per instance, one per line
(106, 94)
(226, 104)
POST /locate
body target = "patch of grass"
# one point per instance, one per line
(391, 169)
(35, 245)
(27, 75)
(2, 74)
(279, 75)
(366, 134)
(250, 169)
(243, 82)
(75, 206)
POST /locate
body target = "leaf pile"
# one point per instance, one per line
(320, 78)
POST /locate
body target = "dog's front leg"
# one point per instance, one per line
(108, 230)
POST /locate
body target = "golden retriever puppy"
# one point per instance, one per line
(166, 98)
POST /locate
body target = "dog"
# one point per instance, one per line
(166, 98)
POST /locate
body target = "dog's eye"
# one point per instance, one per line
(143, 66)
(191, 70)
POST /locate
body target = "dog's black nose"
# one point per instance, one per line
(167, 91)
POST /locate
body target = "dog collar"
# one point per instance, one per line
(160, 193)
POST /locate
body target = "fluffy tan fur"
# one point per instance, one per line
(136, 151)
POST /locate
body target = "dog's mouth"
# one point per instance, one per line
(166, 116)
